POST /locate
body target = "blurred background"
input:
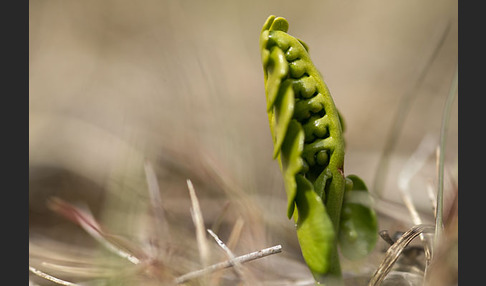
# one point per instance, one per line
(114, 84)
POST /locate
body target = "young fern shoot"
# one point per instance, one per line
(307, 132)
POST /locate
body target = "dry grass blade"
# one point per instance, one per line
(219, 219)
(400, 116)
(197, 218)
(86, 220)
(432, 197)
(237, 266)
(78, 263)
(228, 251)
(232, 241)
(240, 259)
(394, 252)
(412, 166)
(450, 214)
(443, 132)
(443, 269)
(50, 277)
(235, 232)
(305, 282)
(160, 224)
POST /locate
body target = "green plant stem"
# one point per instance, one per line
(443, 138)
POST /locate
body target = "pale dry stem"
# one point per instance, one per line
(232, 241)
(160, 223)
(240, 259)
(198, 220)
(85, 219)
(236, 265)
(50, 277)
(394, 252)
(412, 167)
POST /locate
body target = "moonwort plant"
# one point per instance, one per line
(307, 131)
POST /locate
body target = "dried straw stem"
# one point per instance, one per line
(394, 252)
(228, 263)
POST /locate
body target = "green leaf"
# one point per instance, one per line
(306, 47)
(358, 230)
(279, 24)
(291, 161)
(268, 22)
(314, 228)
(284, 108)
(277, 68)
(320, 183)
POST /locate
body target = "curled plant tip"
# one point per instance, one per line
(85, 219)
(305, 123)
(307, 134)
(299, 102)
(394, 252)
